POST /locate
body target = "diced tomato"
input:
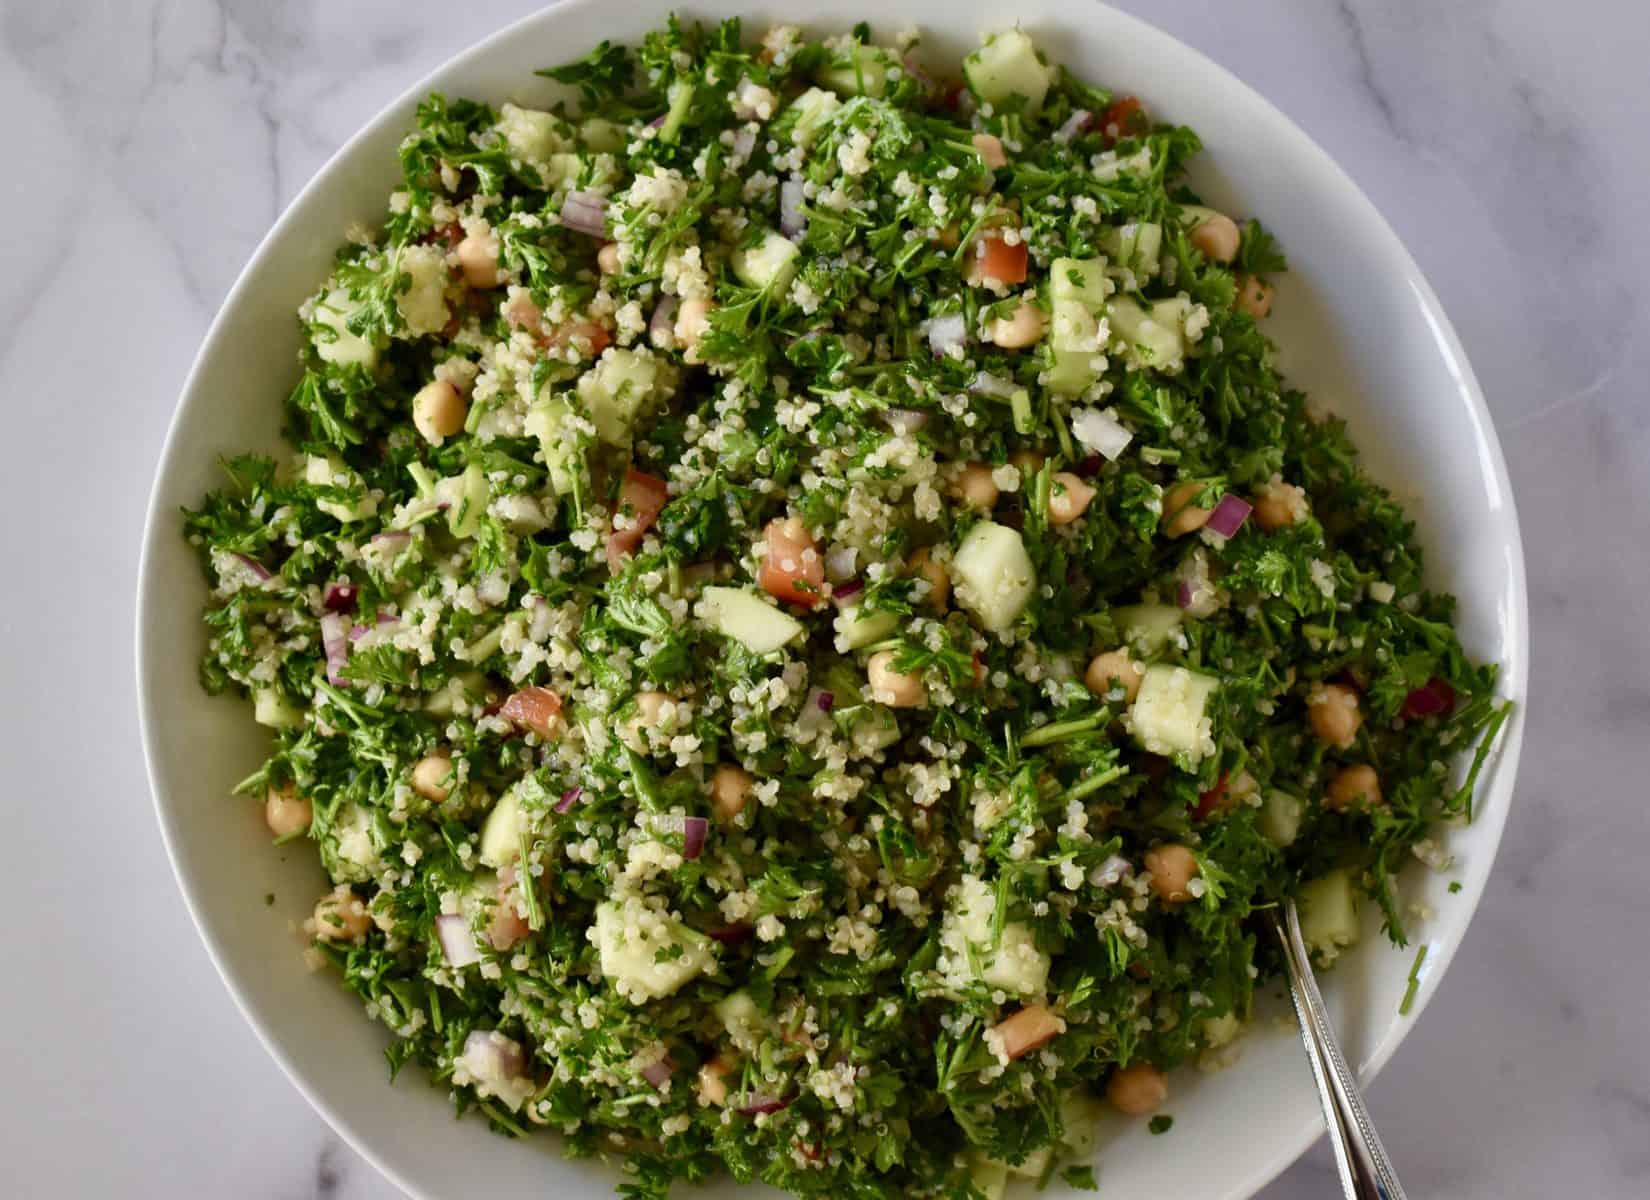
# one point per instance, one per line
(1434, 697)
(535, 708)
(524, 314)
(1124, 118)
(951, 94)
(979, 669)
(793, 569)
(995, 261)
(640, 499)
(507, 926)
(586, 336)
(1033, 1026)
(1211, 801)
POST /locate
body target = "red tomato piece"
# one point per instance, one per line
(793, 569)
(1211, 801)
(995, 260)
(641, 498)
(1124, 118)
(535, 708)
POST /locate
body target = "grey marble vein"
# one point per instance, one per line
(150, 145)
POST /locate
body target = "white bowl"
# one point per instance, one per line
(1359, 329)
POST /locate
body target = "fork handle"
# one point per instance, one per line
(1366, 1172)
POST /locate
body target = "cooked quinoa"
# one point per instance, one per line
(801, 622)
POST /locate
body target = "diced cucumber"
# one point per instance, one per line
(745, 617)
(1329, 913)
(1152, 337)
(561, 168)
(1137, 246)
(501, 832)
(326, 470)
(813, 108)
(1012, 962)
(769, 264)
(350, 852)
(1280, 818)
(1081, 1114)
(995, 578)
(422, 302)
(550, 422)
(345, 348)
(1032, 1166)
(1219, 1031)
(617, 389)
(741, 1018)
(1077, 295)
(530, 134)
(466, 498)
(989, 1178)
(875, 729)
(854, 629)
(1008, 66)
(271, 708)
(1168, 714)
(1147, 627)
(646, 952)
(456, 694)
(601, 135)
(861, 71)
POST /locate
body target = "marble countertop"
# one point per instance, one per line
(154, 141)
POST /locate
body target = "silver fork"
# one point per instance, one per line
(1366, 1172)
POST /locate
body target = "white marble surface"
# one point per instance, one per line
(151, 143)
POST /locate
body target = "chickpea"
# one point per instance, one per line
(1332, 711)
(923, 563)
(341, 917)
(607, 258)
(1254, 296)
(654, 710)
(893, 688)
(1278, 505)
(1111, 669)
(713, 1088)
(730, 788)
(438, 411)
(1024, 328)
(1217, 237)
(1172, 867)
(478, 259)
(974, 486)
(286, 812)
(1353, 786)
(1068, 498)
(692, 319)
(1180, 515)
(1137, 1089)
(432, 776)
(991, 151)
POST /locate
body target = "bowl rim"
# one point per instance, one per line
(1513, 683)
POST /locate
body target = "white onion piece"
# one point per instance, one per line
(792, 222)
(335, 641)
(840, 563)
(662, 327)
(1100, 432)
(1111, 871)
(907, 420)
(985, 384)
(585, 212)
(457, 942)
(496, 1064)
(743, 143)
(945, 333)
(1075, 124)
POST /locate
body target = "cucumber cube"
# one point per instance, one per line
(745, 617)
(1168, 714)
(1007, 66)
(995, 578)
(769, 264)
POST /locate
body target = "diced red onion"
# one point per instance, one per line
(663, 323)
(843, 591)
(792, 220)
(985, 384)
(694, 831)
(1075, 124)
(257, 570)
(457, 942)
(730, 935)
(569, 798)
(945, 333)
(907, 420)
(657, 122)
(335, 641)
(743, 143)
(585, 212)
(915, 70)
(826, 701)
(1089, 467)
(1110, 871)
(338, 597)
(1183, 594)
(492, 1058)
(1431, 698)
(659, 1071)
(1229, 515)
(1100, 432)
(755, 1104)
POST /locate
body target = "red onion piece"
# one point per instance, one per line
(335, 641)
(945, 333)
(1229, 515)
(914, 69)
(257, 570)
(847, 590)
(569, 798)
(792, 220)
(730, 935)
(585, 212)
(659, 1071)
(826, 701)
(694, 831)
(457, 942)
(1183, 594)
(1077, 123)
(338, 597)
(755, 1104)
(663, 322)
(992, 385)
(1433, 697)
(492, 1058)
(1089, 467)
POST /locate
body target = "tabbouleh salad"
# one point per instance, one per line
(802, 623)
